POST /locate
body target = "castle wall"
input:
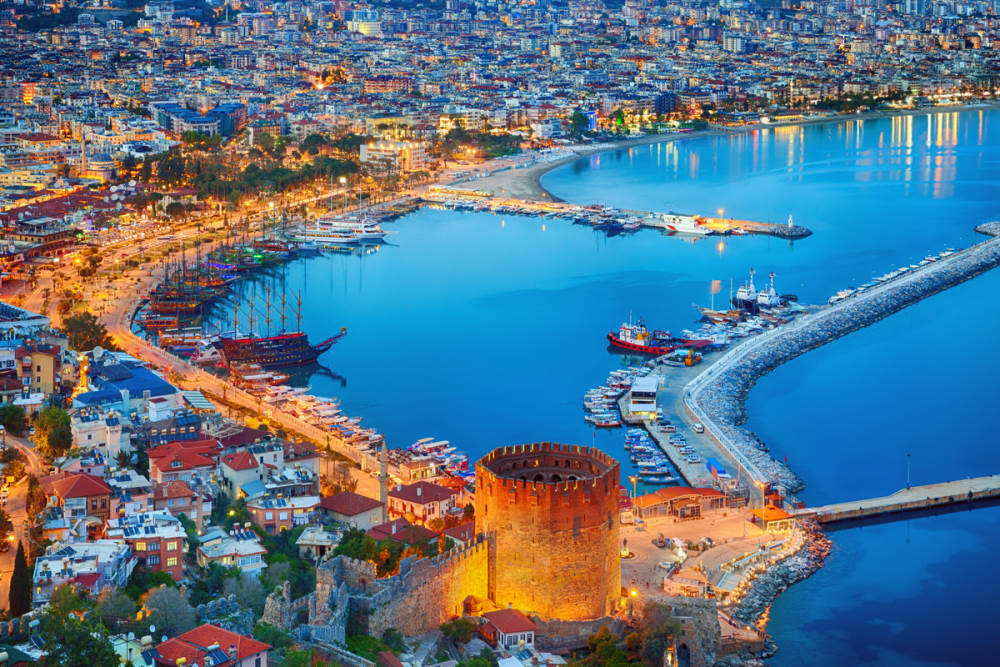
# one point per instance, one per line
(424, 594)
(553, 513)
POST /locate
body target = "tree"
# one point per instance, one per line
(175, 209)
(115, 608)
(85, 332)
(295, 658)
(53, 435)
(578, 123)
(20, 585)
(169, 611)
(459, 630)
(272, 635)
(12, 418)
(70, 641)
(248, 591)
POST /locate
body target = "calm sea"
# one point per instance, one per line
(487, 330)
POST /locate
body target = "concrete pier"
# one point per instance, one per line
(716, 396)
(914, 498)
(485, 201)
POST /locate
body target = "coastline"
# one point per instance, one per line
(525, 183)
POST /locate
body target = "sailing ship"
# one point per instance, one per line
(282, 350)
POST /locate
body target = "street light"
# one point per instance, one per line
(343, 186)
(633, 479)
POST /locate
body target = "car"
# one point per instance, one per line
(4, 546)
(31, 431)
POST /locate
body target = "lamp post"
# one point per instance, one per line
(343, 186)
(633, 479)
(907, 470)
(3, 438)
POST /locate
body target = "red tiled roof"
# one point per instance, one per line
(240, 460)
(245, 437)
(193, 644)
(509, 621)
(421, 493)
(463, 531)
(349, 503)
(174, 489)
(404, 532)
(79, 485)
(668, 493)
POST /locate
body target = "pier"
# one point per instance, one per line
(479, 200)
(913, 498)
(716, 396)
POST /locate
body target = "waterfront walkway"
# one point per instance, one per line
(914, 498)
(716, 396)
(188, 376)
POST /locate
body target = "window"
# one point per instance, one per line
(172, 562)
(140, 546)
(268, 516)
(153, 560)
(282, 516)
(172, 546)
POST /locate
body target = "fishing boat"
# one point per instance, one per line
(637, 338)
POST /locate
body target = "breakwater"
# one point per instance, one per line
(717, 396)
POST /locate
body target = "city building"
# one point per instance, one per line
(352, 509)
(211, 645)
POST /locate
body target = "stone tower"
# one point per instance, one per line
(551, 512)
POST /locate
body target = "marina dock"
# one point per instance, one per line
(913, 498)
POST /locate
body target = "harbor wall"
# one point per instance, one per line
(717, 396)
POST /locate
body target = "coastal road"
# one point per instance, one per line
(17, 511)
(34, 463)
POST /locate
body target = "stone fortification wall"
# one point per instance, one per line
(425, 593)
(552, 512)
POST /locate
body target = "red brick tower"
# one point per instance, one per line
(552, 513)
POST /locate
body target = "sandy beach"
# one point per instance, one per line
(525, 182)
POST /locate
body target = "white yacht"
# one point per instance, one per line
(337, 230)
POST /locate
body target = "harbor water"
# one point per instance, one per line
(487, 330)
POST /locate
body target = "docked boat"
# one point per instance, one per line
(637, 338)
(678, 223)
(287, 349)
(746, 295)
(768, 298)
(336, 230)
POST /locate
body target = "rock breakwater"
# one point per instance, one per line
(718, 395)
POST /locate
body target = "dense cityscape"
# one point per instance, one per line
(186, 191)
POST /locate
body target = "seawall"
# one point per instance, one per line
(717, 396)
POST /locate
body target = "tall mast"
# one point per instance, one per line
(267, 309)
(283, 295)
(298, 312)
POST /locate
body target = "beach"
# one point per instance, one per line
(525, 182)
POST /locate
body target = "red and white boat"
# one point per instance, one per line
(637, 338)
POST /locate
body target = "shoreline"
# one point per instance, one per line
(526, 182)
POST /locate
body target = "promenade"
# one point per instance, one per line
(716, 396)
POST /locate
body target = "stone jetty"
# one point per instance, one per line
(717, 395)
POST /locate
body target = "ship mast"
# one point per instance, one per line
(298, 312)
(283, 295)
(267, 309)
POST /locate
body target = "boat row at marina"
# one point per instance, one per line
(891, 275)
(651, 464)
